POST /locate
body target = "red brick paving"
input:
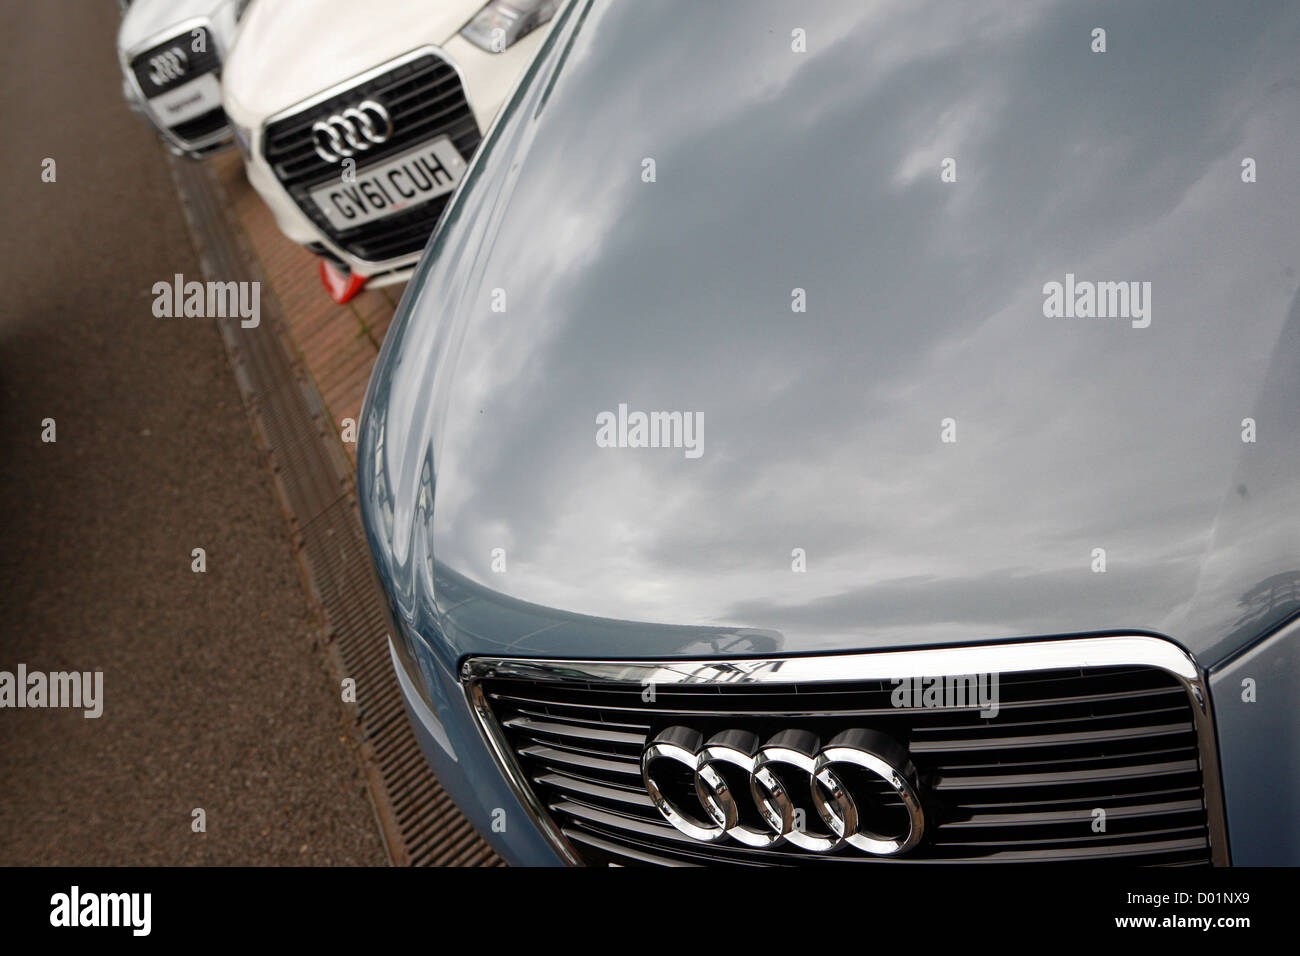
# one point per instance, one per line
(338, 343)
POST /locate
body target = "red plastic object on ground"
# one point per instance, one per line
(340, 285)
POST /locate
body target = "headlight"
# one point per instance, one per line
(498, 25)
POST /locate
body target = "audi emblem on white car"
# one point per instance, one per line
(167, 66)
(835, 776)
(352, 130)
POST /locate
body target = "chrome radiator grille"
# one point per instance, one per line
(1022, 786)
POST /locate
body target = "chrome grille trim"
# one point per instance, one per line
(748, 675)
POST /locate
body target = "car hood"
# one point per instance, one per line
(145, 20)
(292, 50)
(827, 511)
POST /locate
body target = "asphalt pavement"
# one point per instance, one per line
(215, 695)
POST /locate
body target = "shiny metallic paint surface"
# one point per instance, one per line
(470, 775)
(1259, 749)
(820, 171)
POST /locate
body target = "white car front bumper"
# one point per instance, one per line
(363, 254)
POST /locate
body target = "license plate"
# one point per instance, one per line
(200, 95)
(393, 186)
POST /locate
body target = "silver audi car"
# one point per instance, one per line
(853, 434)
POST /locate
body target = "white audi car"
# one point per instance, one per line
(171, 53)
(357, 121)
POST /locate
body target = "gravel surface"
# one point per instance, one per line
(215, 693)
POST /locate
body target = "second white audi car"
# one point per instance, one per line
(357, 121)
(171, 52)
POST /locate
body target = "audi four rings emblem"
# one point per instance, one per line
(167, 66)
(354, 129)
(838, 776)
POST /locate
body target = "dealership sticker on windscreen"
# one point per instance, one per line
(198, 96)
(390, 187)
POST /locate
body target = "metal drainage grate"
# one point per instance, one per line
(314, 481)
